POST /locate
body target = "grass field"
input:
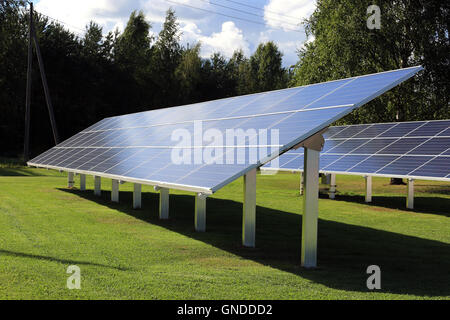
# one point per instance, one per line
(131, 254)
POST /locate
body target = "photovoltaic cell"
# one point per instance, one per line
(347, 146)
(430, 129)
(141, 147)
(372, 164)
(401, 129)
(372, 146)
(346, 162)
(351, 131)
(374, 130)
(434, 146)
(404, 165)
(332, 131)
(437, 167)
(402, 145)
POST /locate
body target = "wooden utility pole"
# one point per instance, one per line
(26, 148)
(32, 34)
(46, 91)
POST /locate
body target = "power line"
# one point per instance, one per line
(261, 9)
(83, 32)
(63, 23)
(81, 35)
(246, 12)
(225, 15)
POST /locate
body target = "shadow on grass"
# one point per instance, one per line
(18, 172)
(433, 205)
(440, 189)
(409, 265)
(63, 261)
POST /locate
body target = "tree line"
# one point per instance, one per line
(95, 76)
(411, 33)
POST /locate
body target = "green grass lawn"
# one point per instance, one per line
(131, 254)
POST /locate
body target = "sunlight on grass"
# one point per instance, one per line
(131, 254)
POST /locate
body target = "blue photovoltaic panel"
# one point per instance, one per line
(145, 147)
(436, 167)
(418, 149)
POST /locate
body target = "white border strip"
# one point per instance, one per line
(161, 184)
(344, 173)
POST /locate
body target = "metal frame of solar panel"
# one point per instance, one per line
(139, 147)
(411, 150)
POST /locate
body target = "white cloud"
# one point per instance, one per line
(288, 14)
(287, 45)
(195, 24)
(110, 14)
(155, 10)
(229, 39)
(77, 14)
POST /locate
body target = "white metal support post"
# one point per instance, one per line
(368, 197)
(310, 208)
(332, 193)
(249, 209)
(97, 185)
(82, 182)
(70, 180)
(301, 183)
(115, 190)
(163, 202)
(313, 145)
(200, 212)
(326, 179)
(137, 196)
(410, 195)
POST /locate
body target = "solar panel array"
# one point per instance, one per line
(139, 147)
(418, 149)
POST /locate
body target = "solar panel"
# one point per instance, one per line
(140, 147)
(419, 149)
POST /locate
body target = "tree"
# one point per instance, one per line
(92, 42)
(189, 74)
(412, 33)
(13, 57)
(266, 68)
(166, 58)
(132, 50)
(237, 68)
(132, 53)
(109, 45)
(221, 75)
(94, 76)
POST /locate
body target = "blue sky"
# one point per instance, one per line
(212, 22)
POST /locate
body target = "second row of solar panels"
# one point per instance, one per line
(391, 130)
(419, 149)
(426, 167)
